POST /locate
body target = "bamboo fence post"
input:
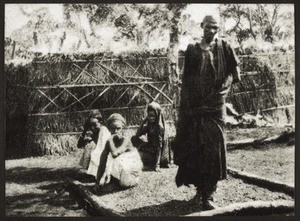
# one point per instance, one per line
(74, 97)
(49, 98)
(78, 99)
(87, 73)
(44, 108)
(134, 96)
(163, 87)
(135, 69)
(169, 99)
(128, 81)
(80, 72)
(105, 71)
(106, 89)
(120, 97)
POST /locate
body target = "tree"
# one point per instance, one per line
(251, 21)
(81, 27)
(39, 29)
(176, 10)
(242, 16)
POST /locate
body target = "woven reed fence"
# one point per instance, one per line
(48, 100)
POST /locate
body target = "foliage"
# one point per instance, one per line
(135, 27)
(266, 22)
(98, 27)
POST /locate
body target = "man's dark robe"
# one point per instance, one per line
(200, 146)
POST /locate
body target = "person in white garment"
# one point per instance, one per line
(93, 139)
(120, 161)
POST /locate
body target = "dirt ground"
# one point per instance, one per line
(272, 161)
(255, 133)
(161, 197)
(34, 186)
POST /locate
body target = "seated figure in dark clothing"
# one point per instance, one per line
(154, 151)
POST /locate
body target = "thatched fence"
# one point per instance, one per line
(48, 100)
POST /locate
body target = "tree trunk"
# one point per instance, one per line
(176, 9)
(172, 56)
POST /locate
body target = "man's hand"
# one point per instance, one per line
(105, 179)
(115, 153)
(88, 139)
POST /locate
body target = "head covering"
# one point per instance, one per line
(154, 106)
(116, 117)
(210, 19)
(157, 109)
(94, 114)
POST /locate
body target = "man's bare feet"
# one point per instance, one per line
(208, 204)
(157, 169)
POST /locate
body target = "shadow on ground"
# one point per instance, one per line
(170, 208)
(23, 175)
(43, 186)
(32, 202)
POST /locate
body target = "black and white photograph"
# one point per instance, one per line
(149, 109)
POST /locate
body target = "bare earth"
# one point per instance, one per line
(34, 186)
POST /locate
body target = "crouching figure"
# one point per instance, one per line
(119, 159)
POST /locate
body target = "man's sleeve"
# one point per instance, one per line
(182, 124)
(186, 73)
(232, 62)
(186, 69)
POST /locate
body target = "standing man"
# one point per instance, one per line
(200, 146)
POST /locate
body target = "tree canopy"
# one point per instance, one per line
(121, 27)
(269, 23)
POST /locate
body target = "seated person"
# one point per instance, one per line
(154, 151)
(93, 140)
(87, 135)
(119, 159)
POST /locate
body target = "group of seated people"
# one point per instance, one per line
(109, 155)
